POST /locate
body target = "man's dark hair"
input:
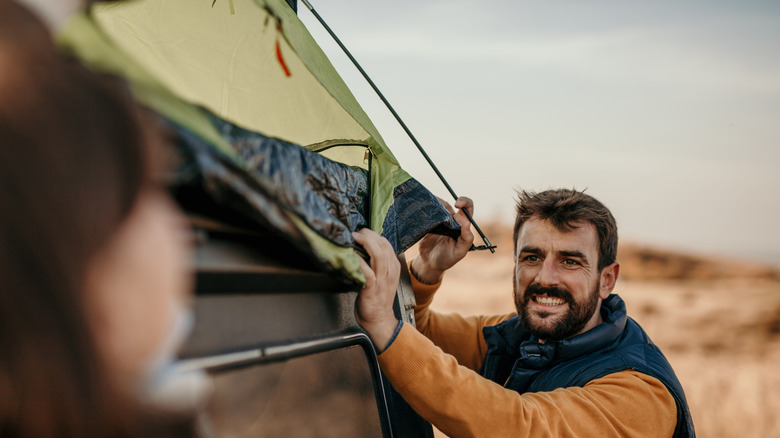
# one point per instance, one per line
(564, 208)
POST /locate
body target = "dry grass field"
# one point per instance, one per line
(717, 322)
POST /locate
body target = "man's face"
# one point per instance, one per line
(557, 284)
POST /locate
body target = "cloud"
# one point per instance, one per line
(640, 55)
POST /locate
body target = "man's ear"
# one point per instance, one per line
(609, 276)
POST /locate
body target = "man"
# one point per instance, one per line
(568, 362)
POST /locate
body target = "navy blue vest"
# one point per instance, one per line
(518, 361)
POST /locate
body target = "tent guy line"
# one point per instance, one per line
(487, 244)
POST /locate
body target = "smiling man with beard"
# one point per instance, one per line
(557, 256)
(568, 362)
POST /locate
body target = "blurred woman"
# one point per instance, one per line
(94, 286)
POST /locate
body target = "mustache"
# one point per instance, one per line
(553, 292)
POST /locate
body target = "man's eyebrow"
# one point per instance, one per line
(573, 253)
(531, 250)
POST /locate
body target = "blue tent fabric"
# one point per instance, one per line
(332, 198)
(416, 212)
(277, 176)
(207, 182)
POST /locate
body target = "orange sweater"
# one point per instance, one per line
(442, 385)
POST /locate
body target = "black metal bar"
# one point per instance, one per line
(401, 122)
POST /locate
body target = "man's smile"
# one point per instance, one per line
(545, 300)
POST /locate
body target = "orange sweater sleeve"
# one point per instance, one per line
(461, 403)
(457, 335)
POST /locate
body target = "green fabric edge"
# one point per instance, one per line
(343, 258)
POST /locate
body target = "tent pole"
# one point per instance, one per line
(487, 244)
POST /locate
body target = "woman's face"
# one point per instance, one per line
(137, 284)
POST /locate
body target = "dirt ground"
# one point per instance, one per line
(718, 323)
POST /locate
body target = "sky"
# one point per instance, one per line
(666, 111)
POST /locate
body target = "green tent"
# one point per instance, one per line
(268, 129)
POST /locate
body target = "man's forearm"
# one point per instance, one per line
(455, 334)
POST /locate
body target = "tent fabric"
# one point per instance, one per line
(330, 197)
(270, 129)
(226, 61)
(84, 39)
(207, 182)
(416, 212)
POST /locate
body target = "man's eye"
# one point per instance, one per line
(570, 262)
(532, 258)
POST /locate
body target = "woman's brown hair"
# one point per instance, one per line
(73, 159)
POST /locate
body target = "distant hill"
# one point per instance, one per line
(642, 262)
(646, 263)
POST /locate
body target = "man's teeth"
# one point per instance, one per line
(549, 301)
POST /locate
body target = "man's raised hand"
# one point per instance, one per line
(439, 253)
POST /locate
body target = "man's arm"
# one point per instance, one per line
(455, 334)
(458, 335)
(374, 305)
(462, 403)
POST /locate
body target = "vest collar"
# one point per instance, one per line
(510, 337)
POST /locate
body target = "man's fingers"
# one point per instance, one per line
(446, 205)
(368, 240)
(368, 273)
(373, 243)
(374, 304)
(462, 203)
(466, 203)
(466, 236)
(465, 226)
(384, 262)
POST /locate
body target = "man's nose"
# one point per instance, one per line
(548, 274)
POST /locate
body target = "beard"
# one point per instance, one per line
(554, 327)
